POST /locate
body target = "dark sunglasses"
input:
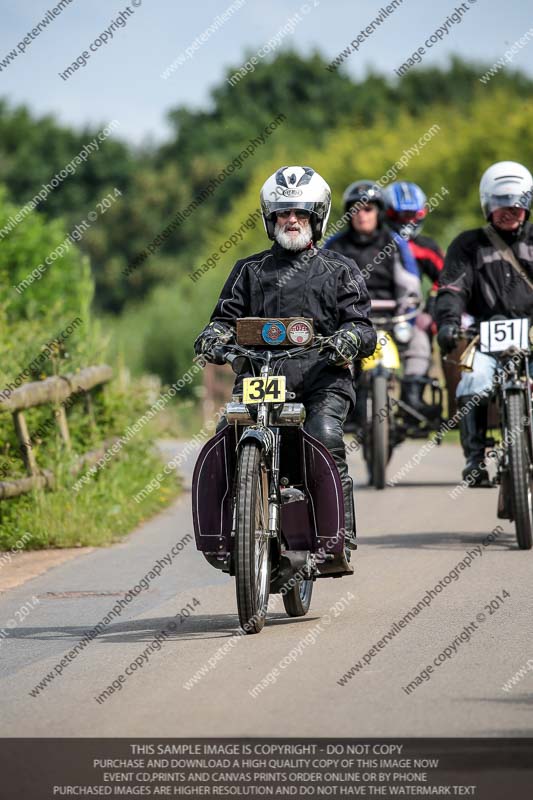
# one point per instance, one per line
(299, 213)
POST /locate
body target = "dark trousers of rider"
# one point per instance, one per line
(325, 416)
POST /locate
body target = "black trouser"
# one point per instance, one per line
(325, 416)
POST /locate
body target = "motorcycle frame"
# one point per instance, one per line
(388, 364)
(510, 377)
(216, 465)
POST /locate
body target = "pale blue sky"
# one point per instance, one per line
(122, 79)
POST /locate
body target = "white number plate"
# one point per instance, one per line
(497, 335)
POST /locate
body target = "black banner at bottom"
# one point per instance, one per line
(487, 769)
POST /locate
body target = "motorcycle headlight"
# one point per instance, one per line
(238, 412)
(291, 414)
(403, 332)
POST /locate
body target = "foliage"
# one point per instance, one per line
(454, 158)
(30, 320)
(343, 127)
(158, 182)
(99, 514)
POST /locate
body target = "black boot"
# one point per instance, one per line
(413, 395)
(473, 430)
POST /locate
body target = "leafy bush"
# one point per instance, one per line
(33, 346)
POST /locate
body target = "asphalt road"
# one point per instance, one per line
(411, 537)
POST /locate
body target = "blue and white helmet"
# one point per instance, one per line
(296, 187)
(406, 208)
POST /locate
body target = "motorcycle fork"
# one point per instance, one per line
(512, 384)
(264, 418)
(274, 498)
(528, 409)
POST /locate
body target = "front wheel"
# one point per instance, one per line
(298, 599)
(252, 561)
(520, 470)
(380, 430)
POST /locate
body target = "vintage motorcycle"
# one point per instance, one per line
(267, 497)
(387, 419)
(510, 416)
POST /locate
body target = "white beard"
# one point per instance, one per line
(289, 242)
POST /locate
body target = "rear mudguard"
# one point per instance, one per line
(311, 524)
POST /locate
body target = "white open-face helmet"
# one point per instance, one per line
(296, 187)
(506, 184)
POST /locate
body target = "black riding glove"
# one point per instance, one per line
(213, 336)
(430, 305)
(448, 337)
(346, 345)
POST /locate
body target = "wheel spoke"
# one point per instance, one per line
(252, 564)
(261, 542)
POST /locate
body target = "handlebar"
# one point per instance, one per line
(385, 305)
(230, 353)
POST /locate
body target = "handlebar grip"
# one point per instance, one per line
(230, 357)
(219, 354)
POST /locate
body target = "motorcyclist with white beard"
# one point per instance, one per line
(296, 279)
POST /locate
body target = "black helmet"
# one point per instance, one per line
(363, 192)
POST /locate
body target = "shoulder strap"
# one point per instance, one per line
(406, 254)
(507, 254)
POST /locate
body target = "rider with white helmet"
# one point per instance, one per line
(479, 280)
(296, 279)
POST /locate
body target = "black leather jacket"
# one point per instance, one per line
(319, 284)
(477, 280)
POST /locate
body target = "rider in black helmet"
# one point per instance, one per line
(390, 273)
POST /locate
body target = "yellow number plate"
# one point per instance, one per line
(264, 390)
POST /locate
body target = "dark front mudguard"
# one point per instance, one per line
(316, 522)
(212, 496)
(323, 488)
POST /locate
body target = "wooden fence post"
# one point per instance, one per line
(23, 435)
(62, 424)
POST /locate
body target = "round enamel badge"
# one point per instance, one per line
(299, 332)
(274, 332)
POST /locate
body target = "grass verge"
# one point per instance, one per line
(100, 513)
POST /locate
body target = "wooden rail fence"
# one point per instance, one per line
(56, 391)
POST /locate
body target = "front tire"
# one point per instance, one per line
(519, 467)
(380, 431)
(252, 559)
(298, 599)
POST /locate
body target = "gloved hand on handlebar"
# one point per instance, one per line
(346, 345)
(448, 337)
(212, 338)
